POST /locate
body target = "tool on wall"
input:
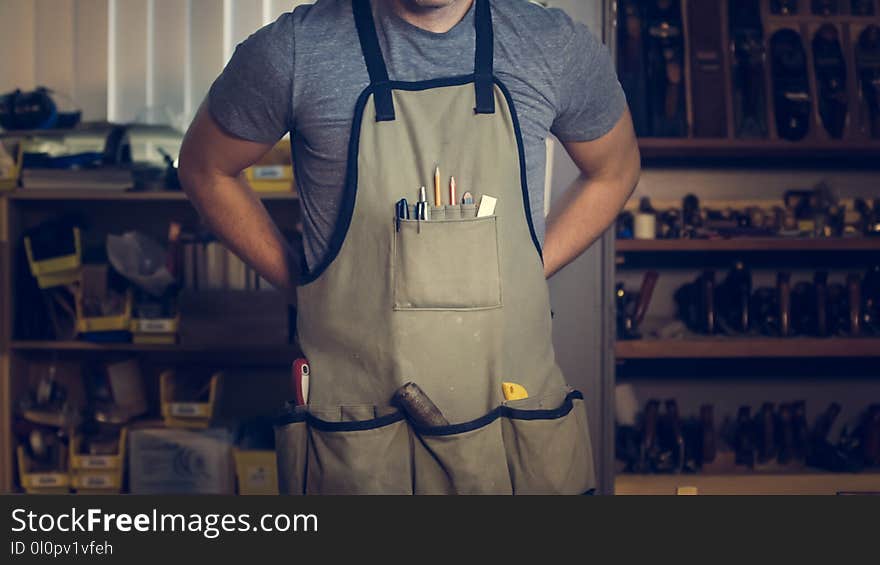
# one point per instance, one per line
(830, 68)
(824, 7)
(784, 7)
(632, 62)
(707, 85)
(631, 309)
(665, 69)
(867, 55)
(862, 7)
(791, 89)
(696, 304)
(732, 300)
(749, 55)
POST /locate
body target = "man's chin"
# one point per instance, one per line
(428, 4)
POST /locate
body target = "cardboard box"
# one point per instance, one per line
(175, 461)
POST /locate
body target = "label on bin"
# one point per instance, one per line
(189, 409)
(96, 481)
(155, 326)
(96, 461)
(47, 480)
(269, 172)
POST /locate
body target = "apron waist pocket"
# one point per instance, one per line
(507, 451)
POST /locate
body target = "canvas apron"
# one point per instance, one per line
(456, 304)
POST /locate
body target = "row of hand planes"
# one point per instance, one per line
(775, 438)
(653, 58)
(817, 308)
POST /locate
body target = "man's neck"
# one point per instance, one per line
(436, 16)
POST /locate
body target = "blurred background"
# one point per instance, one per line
(725, 331)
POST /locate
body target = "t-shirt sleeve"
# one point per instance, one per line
(590, 100)
(253, 96)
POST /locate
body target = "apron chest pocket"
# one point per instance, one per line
(446, 265)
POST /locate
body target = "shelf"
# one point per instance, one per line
(680, 149)
(115, 195)
(134, 347)
(740, 347)
(746, 244)
(751, 483)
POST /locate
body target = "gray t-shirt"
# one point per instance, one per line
(304, 73)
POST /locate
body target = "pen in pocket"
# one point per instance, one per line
(422, 206)
(402, 211)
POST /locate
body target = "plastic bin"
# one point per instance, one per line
(120, 322)
(10, 180)
(57, 271)
(48, 482)
(95, 474)
(274, 172)
(182, 413)
(256, 472)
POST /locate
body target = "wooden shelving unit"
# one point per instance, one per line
(680, 149)
(110, 210)
(745, 347)
(110, 195)
(85, 346)
(750, 484)
(744, 244)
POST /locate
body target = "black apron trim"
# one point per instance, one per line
(366, 28)
(378, 70)
(501, 411)
(484, 58)
(290, 418)
(362, 425)
(506, 412)
(349, 196)
(522, 168)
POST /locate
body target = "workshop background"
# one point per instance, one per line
(725, 332)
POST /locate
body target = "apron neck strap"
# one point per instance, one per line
(366, 28)
(483, 60)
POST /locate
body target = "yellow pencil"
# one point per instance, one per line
(438, 198)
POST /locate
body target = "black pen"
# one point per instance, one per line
(402, 211)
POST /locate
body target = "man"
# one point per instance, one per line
(378, 98)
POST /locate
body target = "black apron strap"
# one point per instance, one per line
(483, 71)
(483, 60)
(366, 28)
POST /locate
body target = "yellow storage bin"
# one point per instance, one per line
(84, 462)
(50, 482)
(57, 271)
(97, 474)
(120, 322)
(274, 172)
(9, 177)
(270, 178)
(180, 412)
(256, 471)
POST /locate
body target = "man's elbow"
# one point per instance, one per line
(194, 176)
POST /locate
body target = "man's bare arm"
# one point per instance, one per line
(610, 168)
(211, 162)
